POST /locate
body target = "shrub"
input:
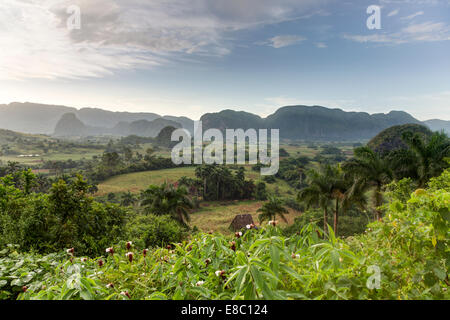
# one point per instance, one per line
(152, 231)
(261, 191)
(351, 223)
(269, 179)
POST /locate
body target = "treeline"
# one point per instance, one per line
(336, 189)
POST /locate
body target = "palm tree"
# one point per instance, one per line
(370, 170)
(426, 159)
(128, 199)
(326, 186)
(318, 193)
(271, 209)
(166, 199)
(355, 195)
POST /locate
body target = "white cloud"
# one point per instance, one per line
(321, 45)
(284, 41)
(422, 32)
(412, 16)
(393, 13)
(119, 34)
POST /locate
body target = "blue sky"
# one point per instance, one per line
(191, 57)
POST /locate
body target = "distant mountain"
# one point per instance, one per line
(40, 118)
(31, 117)
(103, 118)
(185, 122)
(146, 128)
(438, 125)
(70, 126)
(229, 119)
(311, 123)
(295, 122)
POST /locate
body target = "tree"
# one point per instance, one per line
(166, 199)
(128, 199)
(271, 209)
(12, 167)
(355, 195)
(111, 159)
(220, 183)
(325, 186)
(370, 170)
(28, 180)
(424, 159)
(261, 191)
(318, 193)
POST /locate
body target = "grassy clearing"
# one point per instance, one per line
(217, 216)
(135, 182)
(300, 151)
(79, 154)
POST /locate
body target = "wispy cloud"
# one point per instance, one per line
(118, 34)
(284, 41)
(412, 16)
(422, 32)
(321, 45)
(393, 13)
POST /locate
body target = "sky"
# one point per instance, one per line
(190, 57)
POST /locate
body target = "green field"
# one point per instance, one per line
(135, 182)
(53, 156)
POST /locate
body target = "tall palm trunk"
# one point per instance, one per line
(325, 221)
(204, 188)
(336, 217)
(218, 189)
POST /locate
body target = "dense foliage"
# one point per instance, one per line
(404, 256)
(66, 216)
(220, 183)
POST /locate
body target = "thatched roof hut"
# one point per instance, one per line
(241, 221)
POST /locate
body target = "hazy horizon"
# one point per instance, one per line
(171, 57)
(218, 110)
